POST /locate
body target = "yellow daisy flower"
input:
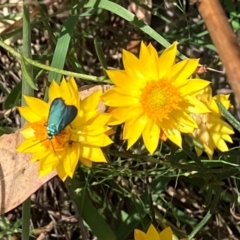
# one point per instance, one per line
(212, 130)
(153, 234)
(79, 141)
(154, 97)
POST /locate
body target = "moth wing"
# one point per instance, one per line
(60, 114)
(55, 113)
(69, 114)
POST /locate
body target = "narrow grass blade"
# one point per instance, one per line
(61, 49)
(130, 17)
(233, 121)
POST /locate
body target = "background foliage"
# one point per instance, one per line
(197, 197)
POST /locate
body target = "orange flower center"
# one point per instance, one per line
(56, 143)
(159, 99)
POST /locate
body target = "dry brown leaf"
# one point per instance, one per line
(18, 176)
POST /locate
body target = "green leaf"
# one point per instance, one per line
(60, 53)
(89, 213)
(13, 97)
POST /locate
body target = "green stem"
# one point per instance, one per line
(71, 192)
(26, 90)
(48, 68)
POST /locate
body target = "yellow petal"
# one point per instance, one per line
(227, 138)
(131, 64)
(214, 107)
(37, 106)
(30, 145)
(152, 233)
(94, 154)
(120, 77)
(125, 113)
(220, 127)
(28, 132)
(71, 158)
(93, 130)
(54, 91)
(148, 61)
(128, 126)
(193, 86)
(101, 119)
(166, 234)
(66, 93)
(196, 105)
(40, 153)
(114, 99)
(61, 172)
(223, 99)
(84, 117)
(184, 119)
(73, 88)
(29, 115)
(198, 151)
(219, 143)
(136, 130)
(167, 60)
(151, 135)
(139, 235)
(129, 59)
(47, 164)
(92, 101)
(100, 140)
(183, 69)
(86, 162)
(132, 92)
(174, 135)
(152, 62)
